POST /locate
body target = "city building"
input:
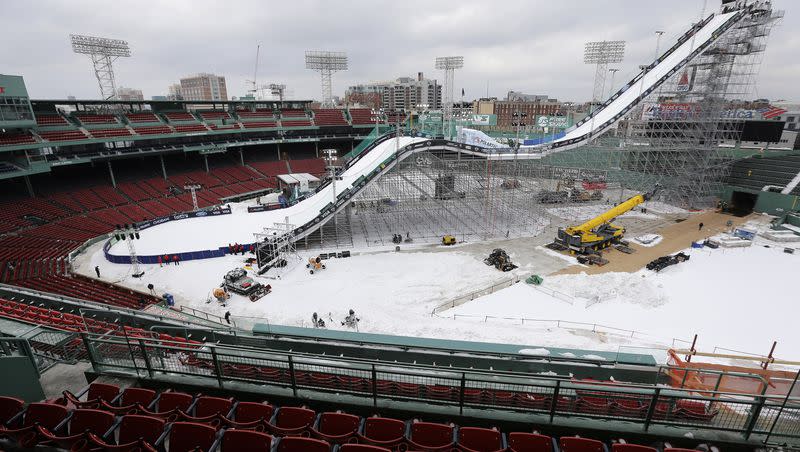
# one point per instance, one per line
(128, 94)
(204, 87)
(175, 92)
(516, 96)
(404, 93)
(505, 109)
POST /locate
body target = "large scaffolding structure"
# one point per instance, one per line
(675, 137)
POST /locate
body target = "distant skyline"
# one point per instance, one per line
(530, 46)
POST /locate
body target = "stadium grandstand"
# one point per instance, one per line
(74, 170)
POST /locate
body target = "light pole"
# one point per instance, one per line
(611, 89)
(377, 115)
(129, 233)
(519, 118)
(659, 33)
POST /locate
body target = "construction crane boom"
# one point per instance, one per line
(599, 232)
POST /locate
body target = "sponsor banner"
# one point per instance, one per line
(263, 208)
(670, 111)
(558, 122)
(481, 120)
(183, 216)
(478, 138)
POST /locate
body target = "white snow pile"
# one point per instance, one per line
(662, 207)
(648, 240)
(534, 351)
(634, 288)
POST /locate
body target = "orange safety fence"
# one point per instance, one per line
(728, 378)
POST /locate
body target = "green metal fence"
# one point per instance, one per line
(754, 417)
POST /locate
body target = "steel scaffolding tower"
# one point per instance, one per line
(601, 54)
(449, 66)
(103, 52)
(675, 137)
(326, 63)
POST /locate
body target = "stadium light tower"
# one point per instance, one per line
(602, 53)
(103, 52)
(449, 66)
(326, 63)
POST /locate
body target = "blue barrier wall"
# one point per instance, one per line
(182, 256)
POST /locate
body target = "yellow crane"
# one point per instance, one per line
(599, 232)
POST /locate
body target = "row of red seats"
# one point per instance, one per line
(581, 402)
(260, 125)
(17, 269)
(293, 113)
(102, 417)
(77, 286)
(329, 117)
(312, 166)
(362, 116)
(191, 128)
(214, 115)
(141, 117)
(179, 116)
(93, 118)
(50, 120)
(153, 130)
(62, 135)
(296, 122)
(9, 139)
(105, 133)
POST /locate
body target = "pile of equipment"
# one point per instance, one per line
(500, 260)
(315, 264)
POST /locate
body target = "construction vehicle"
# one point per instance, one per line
(500, 260)
(315, 264)
(448, 240)
(665, 261)
(237, 281)
(599, 232)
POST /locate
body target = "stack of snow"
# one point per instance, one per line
(648, 240)
(781, 235)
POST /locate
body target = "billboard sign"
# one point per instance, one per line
(558, 122)
(482, 120)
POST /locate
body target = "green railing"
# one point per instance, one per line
(753, 417)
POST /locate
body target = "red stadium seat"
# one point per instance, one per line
(134, 432)
(96, 393)
(9, 407)
(37, 414)
(245, 440)
(131, 399)
(362, 448)
(429, 436)
(251, 415)
(525, 442)
(473, 439)
(336, 428)
(169, 405)
(81, 422)
(292, 421)
(381, 431)
(575, 444)
(190, 437)
(298, 444)
(207, 409)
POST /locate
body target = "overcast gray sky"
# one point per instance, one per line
(534, 46)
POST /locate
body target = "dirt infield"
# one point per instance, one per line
(676, 237)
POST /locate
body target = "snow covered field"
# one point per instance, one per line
(733, 298)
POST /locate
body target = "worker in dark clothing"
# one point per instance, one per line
(142, 303)
(166, 259)
(176, 260)
(700, 228)
(97, 270)
(228, 317)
